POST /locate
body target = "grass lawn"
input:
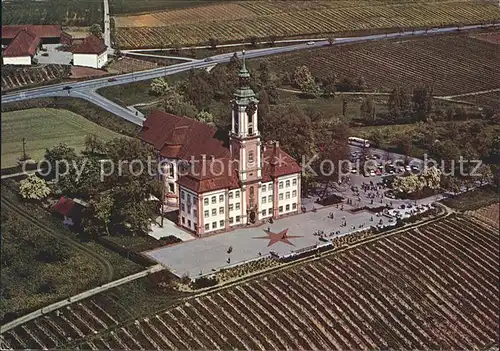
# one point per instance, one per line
(331, 107)
(25, 269)
(43, 128)
(475, 199)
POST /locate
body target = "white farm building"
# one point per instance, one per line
(92, 52)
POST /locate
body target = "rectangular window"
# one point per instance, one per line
(183, 208)
(195, 226)
(264, 199)
(294, 206)
(194, 212)
(205, 201)
(214, 225)
(250, 130)
(189, 223)
(281, 196)
(270, 198)
(237, 193)
(270, 211)
(171, 187)
(221, 223)
(221, 198)
(183, 220)
(287, 183)
(171, 171)
(214, 199)
(263, 188)
(281, 185)
(183, 195)
(237, 205)
(288, 207)
(221, 210)
(287, 194)
(280, 209)
(263, 212)
(214, 212)
(207, 226)
(237, 219)
(230, 195)
(294, 181)
(294, 193)
(231, 207)
(231, 220)
(207, 213)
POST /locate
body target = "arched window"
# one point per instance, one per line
(250, 157)
(251, 191)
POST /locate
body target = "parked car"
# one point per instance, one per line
(310, 43)
(45, 54)
(112, 79)
(67, 87)
(208, 59)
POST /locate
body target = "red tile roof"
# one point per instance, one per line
(64, 206)
(24, 44)
(181, 137)
(91, 45)
(43, 31)
(277, 163)
(210, 175)
(187, 139)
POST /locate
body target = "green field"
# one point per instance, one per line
(43, 128)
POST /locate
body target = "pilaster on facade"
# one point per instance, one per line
(275, 199)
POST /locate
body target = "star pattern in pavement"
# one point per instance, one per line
(278, 237)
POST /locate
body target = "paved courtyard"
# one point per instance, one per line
(54, 56)
(202, 256)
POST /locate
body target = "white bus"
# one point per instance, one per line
(359, 142)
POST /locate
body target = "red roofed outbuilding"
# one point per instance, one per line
(23, 41)
(22, 49)
(92, 52)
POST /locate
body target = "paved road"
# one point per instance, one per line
(107, 28)
(86, 89)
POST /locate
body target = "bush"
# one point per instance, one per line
(169, 240)
(203, 282)
(47, 287)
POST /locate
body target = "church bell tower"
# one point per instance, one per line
(245, 143)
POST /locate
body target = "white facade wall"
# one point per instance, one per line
(90, 60)
(188, 209)
(21, 60)
(288, 195)
(102, 59)
(235, 207)
(170, 175)
(216, 208)
(266, 200)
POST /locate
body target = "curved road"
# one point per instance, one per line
(87, 89)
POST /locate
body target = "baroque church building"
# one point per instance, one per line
(215, 188)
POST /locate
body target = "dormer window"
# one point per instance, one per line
(250, 130)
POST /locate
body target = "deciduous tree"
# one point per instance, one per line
(96, 30)
(33, 188)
